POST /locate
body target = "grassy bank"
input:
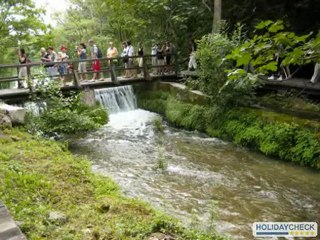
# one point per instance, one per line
(39, 176)
(278, 135)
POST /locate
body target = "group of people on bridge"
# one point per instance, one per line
(57, 65)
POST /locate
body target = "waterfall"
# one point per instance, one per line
(117, 99)
(36, 108)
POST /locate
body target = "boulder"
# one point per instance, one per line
(5, 121)
(57, 217)
(161, 236)
(16, 114)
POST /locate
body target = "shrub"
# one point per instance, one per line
(65, 115)
(211, 52)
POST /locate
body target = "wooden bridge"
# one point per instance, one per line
(113, 70)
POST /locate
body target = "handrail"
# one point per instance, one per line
(76, 61)
(108, 65)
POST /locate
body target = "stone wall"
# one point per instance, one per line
(177, 90)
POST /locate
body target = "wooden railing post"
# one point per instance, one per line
(176, 64)
(29, 79)
(19, 82)
(76, 81)
(113, 73)
(146, 74)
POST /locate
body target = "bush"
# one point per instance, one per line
(218, 77)
(65, 115)
(212, 49)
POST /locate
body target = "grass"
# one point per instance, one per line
(38, 176)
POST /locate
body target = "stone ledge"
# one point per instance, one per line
(9, 230)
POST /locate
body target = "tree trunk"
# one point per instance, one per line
(216, 15)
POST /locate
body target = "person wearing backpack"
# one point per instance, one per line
(96, 54)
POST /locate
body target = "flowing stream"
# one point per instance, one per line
(203, 181)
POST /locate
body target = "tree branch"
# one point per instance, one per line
(206, 4)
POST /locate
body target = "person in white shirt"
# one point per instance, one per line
(316, 74)
(154, 60)
(124, 55)
(133, 72)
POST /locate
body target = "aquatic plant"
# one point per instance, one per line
(158, 124)
(161, 161)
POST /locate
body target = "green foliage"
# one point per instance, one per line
(226, 85)
(270, 42)
(38, 176)
(211, 52)
(21, 25)
(142, 21)
(288, 138)
(158, 125)
(161, 161)
(65, 115)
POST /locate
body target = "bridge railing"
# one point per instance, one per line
(114, 67)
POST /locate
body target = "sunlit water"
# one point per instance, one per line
(204, 176)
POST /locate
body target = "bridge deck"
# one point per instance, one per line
(9, 230)
(16, 93)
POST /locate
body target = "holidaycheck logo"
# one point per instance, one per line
(285, 229)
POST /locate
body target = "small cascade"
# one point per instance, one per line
(36, 108)
(117, 99)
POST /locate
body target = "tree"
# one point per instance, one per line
(145, 21)
(215, 7)
(20, 26)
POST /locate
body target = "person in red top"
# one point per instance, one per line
(96, 63)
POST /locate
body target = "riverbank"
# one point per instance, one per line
(40, 180)
(282, 136)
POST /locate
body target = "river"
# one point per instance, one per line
(205, 182)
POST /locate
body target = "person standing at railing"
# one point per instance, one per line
(160, 59)
(63, 66)
(316, 74)
(140, 59)
(82, 68)
(125, 57)
(132, 72)
(154, 60)
(112, 52)
(96, 66)
(23, 72)
(168, 53)
(49, 56)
